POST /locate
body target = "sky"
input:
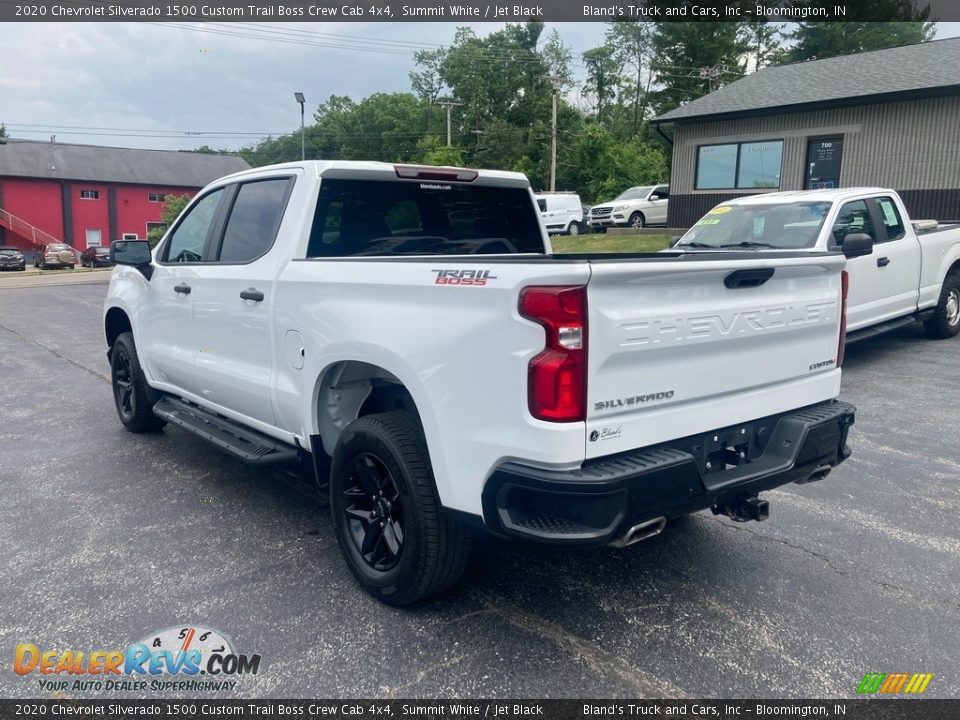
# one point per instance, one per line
(177, 86)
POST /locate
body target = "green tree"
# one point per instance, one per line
(172, 207)
(764, 42)
(427, 81)
(434, 152)
(3, 130)
(815, 41)
(692, 59)
(603, 79)
(632, 45)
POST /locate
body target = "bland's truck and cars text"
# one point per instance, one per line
(909, 270)
(409, 330)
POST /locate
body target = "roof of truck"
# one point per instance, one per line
(361, 167)
(832, 195)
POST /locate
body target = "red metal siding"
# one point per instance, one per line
(134, 209)
(36, 201)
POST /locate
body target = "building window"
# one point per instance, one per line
(156, 197)
(129, 236)
(89, 194)
(739, 166)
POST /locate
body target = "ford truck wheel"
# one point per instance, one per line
(390, 527)
(130, 391)
(945, 322)
(637, 220)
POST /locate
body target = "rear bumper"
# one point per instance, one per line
(600, 501)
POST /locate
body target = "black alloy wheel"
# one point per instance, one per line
(374, 512)
(123, 393)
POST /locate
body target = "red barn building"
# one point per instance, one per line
(89, 195)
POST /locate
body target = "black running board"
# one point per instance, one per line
(885, 327)
(238, 440)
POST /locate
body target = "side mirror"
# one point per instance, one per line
(857, 245)
(135, 253)
(654, 197)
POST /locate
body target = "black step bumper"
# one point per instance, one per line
(598, 502)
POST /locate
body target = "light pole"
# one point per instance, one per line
(298, 96)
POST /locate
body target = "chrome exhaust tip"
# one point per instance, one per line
(643, 531)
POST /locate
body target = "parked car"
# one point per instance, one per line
(96, 257)
(54, 255)
(561, 213)
(637, 207)
(907, 271)
(11, 258)
(409, 330)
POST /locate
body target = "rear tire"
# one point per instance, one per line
(394, 535)
(130, 391)
(574, 228)
(945, 322)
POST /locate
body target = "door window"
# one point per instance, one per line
(854, 218)
(890, 218)
(254, 220)
(190, 235)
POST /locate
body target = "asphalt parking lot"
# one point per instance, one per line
(109, 536)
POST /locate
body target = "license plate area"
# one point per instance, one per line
(729, 448)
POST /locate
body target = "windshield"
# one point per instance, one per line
(102, 251)
(634, 193)
(786, 225)
(9, 251)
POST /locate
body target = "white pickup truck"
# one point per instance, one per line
(409, 330)
(912, 272)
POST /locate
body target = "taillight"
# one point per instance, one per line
(557, 377)
(842, 342)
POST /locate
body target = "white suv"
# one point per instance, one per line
(561, 213)
(637, 207)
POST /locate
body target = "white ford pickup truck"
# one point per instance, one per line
(912, 273)
(408, 330)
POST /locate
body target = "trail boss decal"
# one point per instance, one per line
(463, 277)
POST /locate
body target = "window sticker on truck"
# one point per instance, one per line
(463, 277)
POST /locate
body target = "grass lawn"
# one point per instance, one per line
(609, 243)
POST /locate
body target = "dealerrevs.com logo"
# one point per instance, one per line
(184, 652)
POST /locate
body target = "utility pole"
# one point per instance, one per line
(447, 104)
(553, 80)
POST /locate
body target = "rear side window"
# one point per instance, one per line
(372, 217)
(254, 220)
(890, 218)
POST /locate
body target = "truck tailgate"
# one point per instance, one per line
(679, 346)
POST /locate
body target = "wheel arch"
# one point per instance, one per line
(350, 389)
(115, 322)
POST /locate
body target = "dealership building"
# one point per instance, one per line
(888, 118)
(89, 195)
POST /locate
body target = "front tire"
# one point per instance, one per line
(130, 391)
(637, 220)
(393, 533)
(945, 322)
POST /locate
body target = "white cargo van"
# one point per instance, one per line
(561, 213)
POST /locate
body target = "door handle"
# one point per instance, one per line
(251, 294)
(883, 262)
(182, 288)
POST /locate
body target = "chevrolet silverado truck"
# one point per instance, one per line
(408, 331)
(912, 272)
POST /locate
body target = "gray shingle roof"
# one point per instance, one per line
(931, 66)
(63, 161)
